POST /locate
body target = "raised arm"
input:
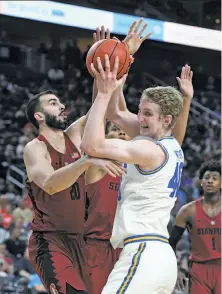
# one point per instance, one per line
(119, 115)
(186, 88)
(94, 142)
(117, 111)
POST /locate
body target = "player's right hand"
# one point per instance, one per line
(101, 34)
(112, 168)
(181, 281)
(106, 80)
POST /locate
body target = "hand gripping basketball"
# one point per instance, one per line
(107, 80)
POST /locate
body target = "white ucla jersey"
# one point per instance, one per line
(146, 198)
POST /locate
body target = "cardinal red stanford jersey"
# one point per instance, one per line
(63, 211)
(205, 235)
(102, 197)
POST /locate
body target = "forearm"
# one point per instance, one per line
(25, 274)
(175, 236)
(94, 133)
(94, 91)
(117, 103)
(64, 177)
(180, 128)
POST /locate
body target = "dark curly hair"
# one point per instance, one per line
(212, 165)
(33, 106)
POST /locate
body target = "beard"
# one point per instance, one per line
(54, 123)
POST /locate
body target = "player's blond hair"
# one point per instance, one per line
(168, 98)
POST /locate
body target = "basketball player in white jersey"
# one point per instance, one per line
(154, 163)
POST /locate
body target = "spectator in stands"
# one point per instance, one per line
(6, 259)
(54, 53)
(22, 211)
(56, 74)
(2, 184)
(5, 212)
(12, 192)
(42, 49)
(10, 153)
(4, 234)
(20, 147)
(24, 267)
(45, 86)
(14, 245)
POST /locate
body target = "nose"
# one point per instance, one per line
(121, 134)
(140, 118)
(62, 107)
(210, 180)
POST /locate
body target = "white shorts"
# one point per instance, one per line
(144, 267)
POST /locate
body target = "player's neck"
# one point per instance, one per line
(212, 199)
(165, 133)
(51, 134)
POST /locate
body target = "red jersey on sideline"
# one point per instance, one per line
(205, 235)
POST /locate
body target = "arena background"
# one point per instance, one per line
(43, 45)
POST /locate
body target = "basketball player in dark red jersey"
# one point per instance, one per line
(57, 190)
(202, 218)
(102, 192)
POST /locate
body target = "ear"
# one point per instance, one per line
(201, 181)
(168, 120)
(39, 116)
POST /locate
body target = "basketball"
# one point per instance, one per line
(112, 48)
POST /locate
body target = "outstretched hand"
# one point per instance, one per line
(106, 79)
(101, 34)
(133, 38)
(185, 82)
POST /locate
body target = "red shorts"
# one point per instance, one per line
(60, 261)
(205, 278)
(101, 259)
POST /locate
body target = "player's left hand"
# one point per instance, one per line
(101, 34)
(106, 80)
(185, 82)
(181, 281)
(133, 39)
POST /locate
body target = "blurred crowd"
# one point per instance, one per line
(69, 78)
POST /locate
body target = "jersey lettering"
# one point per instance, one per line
(174, 183)
(114, 186)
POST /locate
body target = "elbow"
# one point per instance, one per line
(89, 150)
(48, 187)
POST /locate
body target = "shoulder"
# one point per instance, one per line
(34, 146)
(78, 124)
(188, 209)
(154, 155)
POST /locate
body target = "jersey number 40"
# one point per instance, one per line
(174, 183)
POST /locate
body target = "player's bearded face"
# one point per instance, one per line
(55, 122)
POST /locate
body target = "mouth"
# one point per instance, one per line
(63, 114)
(144, 127)
(209, 187)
